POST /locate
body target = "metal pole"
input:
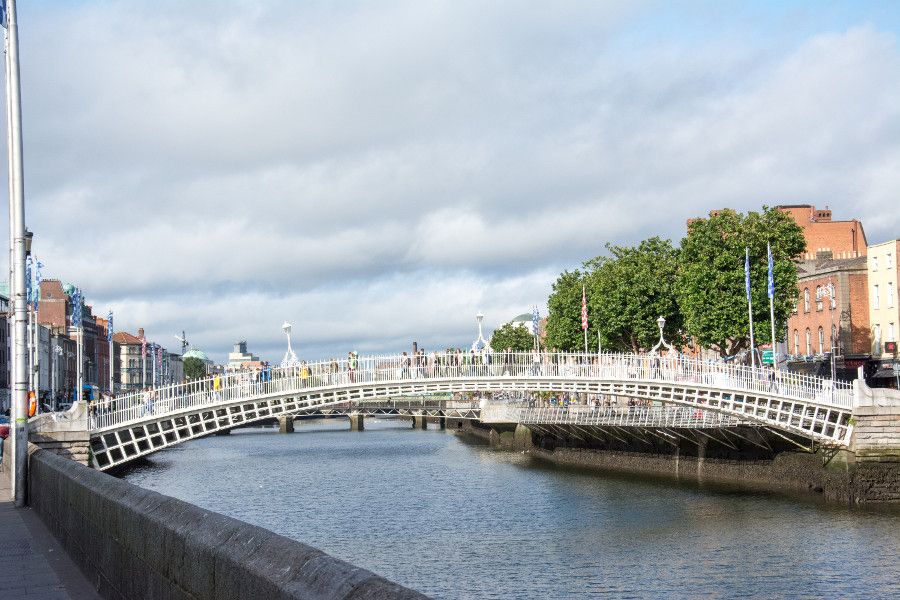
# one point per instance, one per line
(17, 291)
(750, 311)
(79, 367)
(772, 318)
(10, 313)
(111, 368)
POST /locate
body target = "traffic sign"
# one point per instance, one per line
(768, 357)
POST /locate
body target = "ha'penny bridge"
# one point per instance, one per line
(682, 393)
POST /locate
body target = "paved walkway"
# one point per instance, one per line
(33, 565)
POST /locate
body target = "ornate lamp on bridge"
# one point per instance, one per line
(479, 342)
(661, 322)
(290, 359)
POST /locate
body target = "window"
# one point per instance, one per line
(806, 300)
(890, 292)
(834, 337)
(796, 342)
(818, 298)
(891, 337)
(821, 341)
(889, 260)
(875, 303)
(808, 343)
(874, 263)
(877, 337)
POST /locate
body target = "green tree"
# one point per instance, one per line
(628, 291)
(194, 368)
(710, 285)
(512, 336)
(564, 319)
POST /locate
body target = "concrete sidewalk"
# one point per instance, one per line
(33, 565)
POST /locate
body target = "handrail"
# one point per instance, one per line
(332, 374)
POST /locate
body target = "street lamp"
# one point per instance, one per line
(828, 291)
(290, 358)
(480, 339)
(661, 323)
(29, 236)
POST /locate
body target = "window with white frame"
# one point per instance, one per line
(806, 300)
(889, 260)
(874, 263)
(875, 302)
(808, 342)
(821, 340)
(891, 337)
(877, 336)
(890, 294)
(796, 342)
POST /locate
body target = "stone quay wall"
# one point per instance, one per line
(135, 543)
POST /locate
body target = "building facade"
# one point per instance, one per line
(831, 317)
(884, 307)
(824, 236)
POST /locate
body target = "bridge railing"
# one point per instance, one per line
(239, 385)
(640, 416)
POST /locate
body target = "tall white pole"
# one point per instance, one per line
(79, 367)
(750, 309)
(772, 318)
(17, 292)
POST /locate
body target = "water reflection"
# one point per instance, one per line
(459, 520)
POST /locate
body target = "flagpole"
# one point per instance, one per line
(749, 306)
(772, 305)
(584, 322)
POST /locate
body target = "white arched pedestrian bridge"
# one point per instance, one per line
(137, 424)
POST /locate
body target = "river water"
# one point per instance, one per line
(454, 519)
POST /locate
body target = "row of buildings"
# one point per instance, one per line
(129, 362)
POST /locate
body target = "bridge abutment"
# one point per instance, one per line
(286, 424)
(65, 434)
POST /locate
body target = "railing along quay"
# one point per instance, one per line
(308, 378)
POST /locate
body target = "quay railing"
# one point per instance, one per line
(235, 386)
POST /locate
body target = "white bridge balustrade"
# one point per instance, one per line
(136, 424)
(675, 417)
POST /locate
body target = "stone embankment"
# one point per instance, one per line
(134, 543)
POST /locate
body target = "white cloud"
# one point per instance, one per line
(378, 172)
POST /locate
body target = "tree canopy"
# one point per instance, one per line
(517, 337)
(564, 321)
(194, 368)
(710, 284)
(628, 291)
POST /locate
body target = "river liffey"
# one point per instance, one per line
(454, 519)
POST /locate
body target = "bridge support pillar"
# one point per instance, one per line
(286, 424)
(357, 422)
(419, 421)
(701, 457)
(442, 421)
(522, 438)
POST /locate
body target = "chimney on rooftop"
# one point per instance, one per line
(141, 332)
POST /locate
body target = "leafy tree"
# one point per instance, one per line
(710, 284)
(564, 321)
(629, 290)
(512, 336)
(194, 368)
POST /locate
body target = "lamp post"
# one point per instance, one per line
(480, 339)
(290, 358)
(823, 292)
(661, 323)
(57, 352)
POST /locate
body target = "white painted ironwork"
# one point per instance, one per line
(804, 405)
(629, 416)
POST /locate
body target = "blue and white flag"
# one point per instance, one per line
(771, 272)
(29, 292)
(3, 21)
(37, 283)
(535, 319)
(76, 308)
(109, 327)
(747, 272)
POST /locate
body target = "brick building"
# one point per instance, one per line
(824, 236)
(832, 311)
(53, 309)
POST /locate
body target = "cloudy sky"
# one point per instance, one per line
(377, 172)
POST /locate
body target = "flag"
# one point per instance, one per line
(29, 292)
(747, 272)
(3, 20)
(109, 327)
(535, 319)
(76, 308)
(771, 272)
(38, 265)
(584, 320)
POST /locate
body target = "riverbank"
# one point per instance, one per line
(824, 475)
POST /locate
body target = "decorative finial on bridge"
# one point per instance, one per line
(661, 322)
(290, 359)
